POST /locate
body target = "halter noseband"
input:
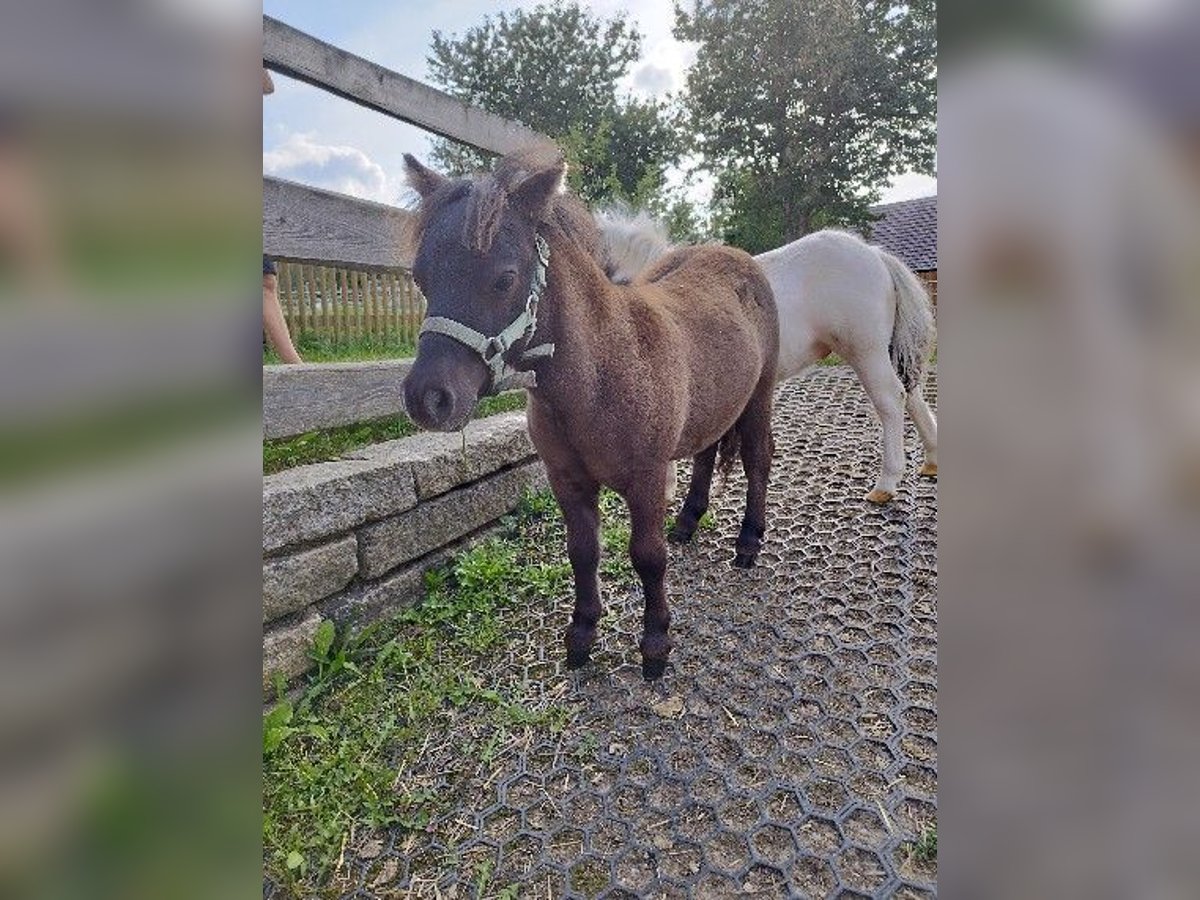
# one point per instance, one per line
(492, 349)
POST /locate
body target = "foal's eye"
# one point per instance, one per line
(505, 282)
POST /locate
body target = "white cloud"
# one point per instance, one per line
(909, 186)
(338, 167)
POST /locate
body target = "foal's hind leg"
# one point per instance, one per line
(648, 550)
(696, 504)
(754, 429)
(883, 386)
(922, 417)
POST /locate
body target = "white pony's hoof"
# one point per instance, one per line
(878, 496)
(929, 470)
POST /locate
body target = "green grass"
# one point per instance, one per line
(396, 695)
(926, 847)
(315, 347)
(330, 443)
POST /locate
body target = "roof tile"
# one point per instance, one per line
(908, 230)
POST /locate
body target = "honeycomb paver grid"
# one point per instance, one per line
(791, 749)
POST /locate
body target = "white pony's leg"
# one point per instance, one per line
(922, 417)
(883, 387)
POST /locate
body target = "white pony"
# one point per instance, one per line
(835, 294)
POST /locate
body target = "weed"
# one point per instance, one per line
(484, 876)
(615, 533)
(330, 443)
(588, 878)
(315, 347)
(589, 745)
(926, 846)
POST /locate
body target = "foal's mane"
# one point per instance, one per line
(488, 196)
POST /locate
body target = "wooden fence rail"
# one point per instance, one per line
(343, 304)
(309, 396)
(298, 55)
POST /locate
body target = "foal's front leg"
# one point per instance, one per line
(580, 507)
(648, 550)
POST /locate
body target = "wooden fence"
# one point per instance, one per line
(342, 303)
(343, 262)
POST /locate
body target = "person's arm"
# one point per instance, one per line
(273, 322)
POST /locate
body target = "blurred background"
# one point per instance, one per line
(1069, 150)
(130, 355)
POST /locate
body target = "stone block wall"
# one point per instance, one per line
(351, 540)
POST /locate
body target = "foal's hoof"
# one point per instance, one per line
(929, 470)
(878, 496)
(743, 560)
(577, 659)
(679, 535)
(652, 669)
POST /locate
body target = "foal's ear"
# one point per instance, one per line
(535, 193)
(420, 178)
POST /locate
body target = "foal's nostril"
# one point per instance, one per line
(438, 403)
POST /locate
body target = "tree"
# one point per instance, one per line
(803, 111)
(555, 68)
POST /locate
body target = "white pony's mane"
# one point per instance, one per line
(630, 241)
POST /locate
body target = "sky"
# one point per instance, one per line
(315, 138)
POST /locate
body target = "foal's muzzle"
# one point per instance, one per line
(444, 385)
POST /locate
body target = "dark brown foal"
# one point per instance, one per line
(622, 379)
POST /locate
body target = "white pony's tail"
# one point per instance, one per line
(912, 333)
(630, 241)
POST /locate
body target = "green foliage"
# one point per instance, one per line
(333, 760)
(315, 346)
(500, 403)
(555, 68)
(684, 223)
(804, 111)
(330, 443)
(926, 846)
(615, 532)
(330, 760)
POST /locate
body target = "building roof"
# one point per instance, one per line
(908, 230)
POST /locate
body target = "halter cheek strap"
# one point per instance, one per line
(503, 376)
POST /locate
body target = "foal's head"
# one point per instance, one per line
(476, 263)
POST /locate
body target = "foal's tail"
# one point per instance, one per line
(728, 449)
(912, 333)
(630, 241)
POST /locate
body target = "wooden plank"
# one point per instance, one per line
(291, 52)
(299, 285)
(307, 396)
(405, 304)
(283, 280)
(372, 304)
(356, 299)
(393, 299)
(379, 305)
(328, 301)
(344, 303)
(310, 300)
(381, 298)
(318, 226)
